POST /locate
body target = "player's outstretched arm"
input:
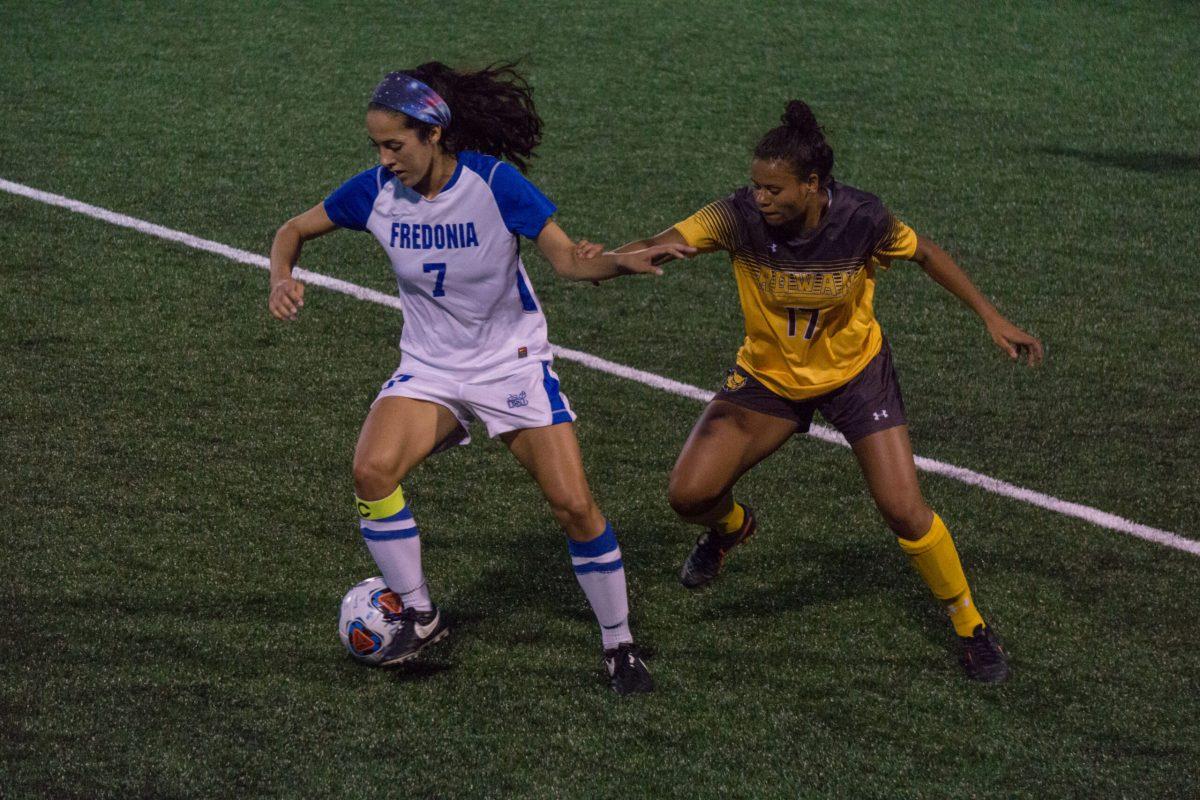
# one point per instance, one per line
(669, 236)
(938, 265)
(584, 264)
(287, 294)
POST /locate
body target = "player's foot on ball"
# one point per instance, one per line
(982, 656)
(415, 631)
(627, 673)
(704, 562)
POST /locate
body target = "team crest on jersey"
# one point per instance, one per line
(517, 400)
(387, 601)
(734, 381)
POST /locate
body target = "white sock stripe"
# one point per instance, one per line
(398, 525)
(611, 555)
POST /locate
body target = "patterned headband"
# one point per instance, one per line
(406, 94)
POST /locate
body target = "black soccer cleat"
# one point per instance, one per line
(627, 673)
(982, 656)
(416, 630)
(704, 562)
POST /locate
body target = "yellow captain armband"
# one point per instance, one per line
(381, 509)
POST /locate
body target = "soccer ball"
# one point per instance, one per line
(362, 626)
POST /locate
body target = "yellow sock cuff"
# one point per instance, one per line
(732, 521)
(936, 559)
(932, 538)
(381, 509)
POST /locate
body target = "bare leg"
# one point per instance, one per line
(552, 456)
(887, 463)
(727, 441)
(886, 459)
(398, 434)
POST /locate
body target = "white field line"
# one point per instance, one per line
(1093, 515)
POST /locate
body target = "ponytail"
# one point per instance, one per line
(491, 111)
(800, 142)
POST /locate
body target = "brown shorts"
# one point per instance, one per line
(869, 403)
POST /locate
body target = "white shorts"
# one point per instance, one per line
(527, 397)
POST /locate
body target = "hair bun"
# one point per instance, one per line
(799, 116)
(800, 142)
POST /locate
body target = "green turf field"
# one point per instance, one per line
(175, 493)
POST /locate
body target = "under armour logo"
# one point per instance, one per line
(881, 414)
(773, 247)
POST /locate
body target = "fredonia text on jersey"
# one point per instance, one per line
(434, 237)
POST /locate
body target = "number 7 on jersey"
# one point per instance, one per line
(440, 269)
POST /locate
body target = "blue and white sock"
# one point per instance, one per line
(395, 544)
(601, 574)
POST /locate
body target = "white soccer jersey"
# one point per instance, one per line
(469, 308)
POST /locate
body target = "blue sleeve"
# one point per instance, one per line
(350, 204)
(524, 208)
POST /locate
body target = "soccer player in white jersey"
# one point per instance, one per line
(449, 212)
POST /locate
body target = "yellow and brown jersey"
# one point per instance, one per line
(807, 297)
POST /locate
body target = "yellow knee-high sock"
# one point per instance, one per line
(936, 560)
(731, 522)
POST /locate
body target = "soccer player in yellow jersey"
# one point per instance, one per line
(806, 251)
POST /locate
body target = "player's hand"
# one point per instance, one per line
(1015, 342)
(286, 300)
(585, 249)
(648, 260)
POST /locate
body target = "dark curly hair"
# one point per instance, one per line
(800, 142)
(491, 110)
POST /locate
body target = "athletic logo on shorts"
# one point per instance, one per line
(734, 381)
(397, 379)
(517, 400)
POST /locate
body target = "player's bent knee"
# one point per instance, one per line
(374, 478)
(690, 499)
(908, 519)
(574, 512)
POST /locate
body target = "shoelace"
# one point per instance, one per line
(628, 652)
(403, 616)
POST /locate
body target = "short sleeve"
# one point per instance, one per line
(895, 239)
(522, 205)
(350, 204)
(713, 227)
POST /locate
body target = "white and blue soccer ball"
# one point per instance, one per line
(362, 625)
